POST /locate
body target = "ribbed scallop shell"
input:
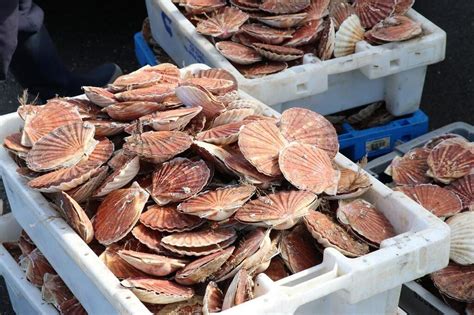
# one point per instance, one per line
(157, 146)
(451, 159)
(219, 204)
(152, 264)
(199, 243)
(277, 269)
(119, 267)
(155, 93)
(232, 115)
(69, 178)
(280, 210)
(309, 168)
(120, 177)
(278, 53)
(267, 34)
(178, 180)
(229, 97)
(13, 143)
(200, 269)
(128, 111)
(175, 119)
(257, 106)
(464, 189)
(340, 12)
(149, 237)
(200, 6)
(55, 291)
(223, 134)
(194, 95)
(284, 6)
(433, 142)
(193, 305)
(365, 220)
(350, 32)
(99, 96)
(327, 40)
(462, 238)
(156, 291)
(306, 34)
(118, 213)
(238, 53)
(305, 126)
(84, 191)
(440, 201)
(213, 299)
(36, 266)
(316, 10)
(86, 109)
(283, 21)
(373, 11)
(107, 128)
(147, 76)
(247, 5)
(51, 116)
(239, 291)
(168, 219)
(62, 147)
(262, 69)
(216, 74)
(456, 282)
(330, 234)
(403, 6)
(351, 184)
(396, 29)
(411, 168)
(298, 250)
(223, 24)
(261, 142)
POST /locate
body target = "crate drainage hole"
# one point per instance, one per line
(301, 87)
(394, 63)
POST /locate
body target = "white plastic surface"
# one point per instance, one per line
(394, 72)
(24, 297)
(340, 285)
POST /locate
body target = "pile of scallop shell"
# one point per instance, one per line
(40, 273)
(440, 177)
(188, 191)
(261, 37)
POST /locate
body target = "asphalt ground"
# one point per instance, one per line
(88, 33)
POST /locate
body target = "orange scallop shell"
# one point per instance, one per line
(55, 291)
(83, 192)
(223, 134)
(168, 219)
(194, 95)
(261, 142)
(464, 189)
(119, 267)
(403, 6)
(365, 220)
(107, 128)
(216, 81)
(232, 116)
(223, 24)
(118, 213)
(99, 96)
(316, 10)
(440, 201)
(128, 111)
(411, 168)
(298, 251)
(456, 282)
(149, 237)
(262, 69)
(155, 93)
(36, 266)
(330, 234)
(178, 180)
(278, 53)
(327, 40)
(433, 142)
(62, 147)
(309, 168)
(157, 146)
(267, 34)
(13, 143)
(120, 177)
(284, 6)
(239, 291)
(305, 126)
(147, 76)
(280, 210)
(175, 119)
(340, 12)
(396, 29)
(306, 34)
(152, 264)
(157, 291)
(219, 204)
(373, 11)
(213, 298)
(352, 184)
(283, 21)
(277, 269)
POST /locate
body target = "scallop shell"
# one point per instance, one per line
(327, 40)
(156, 291)
(223, 24)
(68, 178)
(217, 81)
(99, 96)
(222, 135)
(157, 93)
(244, 39)
(433, 142)
(340, 12)
(306, 34)
(284, 6)
(247, 5)
(350, 32)
(120, 177)
(411, 168)
(232, 116)
(72, 306)
(262, 69)
(261, 142)
(298, 251)
(229, 97)
(351, 184)
(456, 282)
(440, 201)
(107, 128)
(199, 6)
(239, 291)
(194, 95)
(305, 126)
(86, 109)
(84, 191)
(213, 299)
(199, 243)
(62, 147)
(283, 21)
(219, 204)
(462, 238)
(36, 266)
(309, 168)
(451, 159)
(175, 119)
(168, 219)
(365, 220)
(157, 146)
(13, 143)
(196, 125)
(192, 306)
(118, 213)
(267, 34)
(316, 10)
(464, 189)
(257, 106)
(148, 237)
(119, 267)
(373, 11)
(200, 269)
(277, 269)
(51, 116)
(212, 154)
(403, 6)
(330, 234)
(278, 53)
(155, 265)
(396, 29)
(147, 76)
(128, 111)
(238, 53)
(54, 290)
(280, 210)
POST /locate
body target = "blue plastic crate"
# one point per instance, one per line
(143, 52)
(381, 140)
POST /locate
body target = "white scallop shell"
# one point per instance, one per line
(350, 32)
(462, 238)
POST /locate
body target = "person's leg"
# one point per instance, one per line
(8, 34)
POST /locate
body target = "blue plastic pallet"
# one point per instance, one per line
(143, 52)
(381, 140)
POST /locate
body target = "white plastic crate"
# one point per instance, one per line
(394, 72)
(24, 297)
(368, 284)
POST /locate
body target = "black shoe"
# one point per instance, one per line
(99, 76)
